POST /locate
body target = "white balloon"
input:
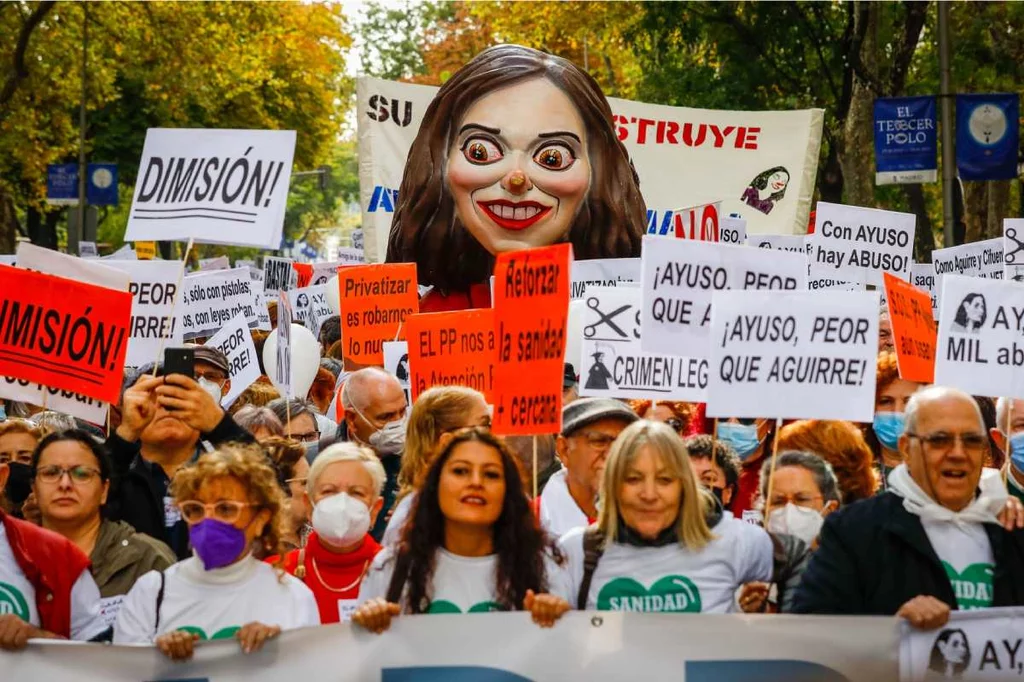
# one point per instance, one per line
(305, 351)
(333, 294)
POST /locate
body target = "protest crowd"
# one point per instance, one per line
(444, 444)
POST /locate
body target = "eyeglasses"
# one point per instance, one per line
(227, 511)
(77, 474)
(941, 443)
(307, 437)
(597, 440)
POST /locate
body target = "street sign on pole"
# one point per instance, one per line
(62, 184)
(101, 189)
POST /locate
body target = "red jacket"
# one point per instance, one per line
(478, 296)
(52, 564)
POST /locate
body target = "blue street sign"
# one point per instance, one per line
(62, 183)
(101, 184)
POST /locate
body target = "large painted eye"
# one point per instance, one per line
(481, 151)
(555, 157)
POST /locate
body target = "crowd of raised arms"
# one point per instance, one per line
(353, 505)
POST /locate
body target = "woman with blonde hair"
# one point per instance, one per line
(661, 543)
(437, 411)
(231, 501)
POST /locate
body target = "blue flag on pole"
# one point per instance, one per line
(905, 140)
(987, 136)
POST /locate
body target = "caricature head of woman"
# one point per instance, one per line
(518, 149)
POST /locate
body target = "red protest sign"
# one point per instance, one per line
(531, 308)
(375, 302)
(63, 333)
(304, 273)
(451, 349)
(914, 332)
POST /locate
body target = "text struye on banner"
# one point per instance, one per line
(310, 307)
(906, 140)
(452, 349)
(922, 276)
(913, 330)
(987, 135)
(235, 341)
(63, 333)
(602, 272)
(793, 355)
(210, 299)
(375, 302)
(857, 244)
(679, 276)
(983, 644)
(531, 311)
(77, 405)
(1013, 249)
(613, 362)
(231, 188)
(760, 165)
(155, 323)
(981, 336)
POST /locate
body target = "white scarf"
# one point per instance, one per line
(559, 512)
(989, 502)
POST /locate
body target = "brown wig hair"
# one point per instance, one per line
(259, 394)
(842, 445)
(518, 541)
(426, 229)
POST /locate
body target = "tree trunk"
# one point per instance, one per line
(975, 211)
(830, 177)
(8, 223)
(857, 155)
(998, 207)
(924, 236)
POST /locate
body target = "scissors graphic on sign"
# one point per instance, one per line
(591, 329)
(1011, 257)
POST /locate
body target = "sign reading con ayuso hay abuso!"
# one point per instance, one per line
(603, 272)
(793, 355)
(759, 165)
(155, 324)
(855, 244)
(1013, 249)
(906, 143)
(214, 186)
(981, 336)
(678, 278)
(597, 647)
(973, 645)
(613, 363)
(210, 299)
(235, 341)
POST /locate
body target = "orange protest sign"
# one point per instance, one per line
(451, 349)
(914, 333)
(63, 333)
(531, 308)
(375, 302)
(304, 273)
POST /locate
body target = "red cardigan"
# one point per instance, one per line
(52, 564)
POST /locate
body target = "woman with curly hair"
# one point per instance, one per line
(891, 397)
(471, 545)
(842, 445)
(231, 501)
(686, 419)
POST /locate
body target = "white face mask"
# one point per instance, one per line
(801, 522)
(340, 519)
(211, 388)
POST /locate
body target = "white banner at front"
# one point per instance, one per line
(596, 647)
(973, 645)
(760, 165)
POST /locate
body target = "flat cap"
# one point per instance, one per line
(585, 411)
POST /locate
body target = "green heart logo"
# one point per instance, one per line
(223, 633)
(12, 601)
(444, 606)
(972, 586)
(671, 594)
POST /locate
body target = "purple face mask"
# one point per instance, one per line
(218, 544)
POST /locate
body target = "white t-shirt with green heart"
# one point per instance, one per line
(966, 554)
(670, 578)
(460, 584)
(214, 604)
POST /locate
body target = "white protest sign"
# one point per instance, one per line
(613, 363)
(211, 299)
(981, 644)
(126, 252)
(601, 272)
(794, 243)
(322, 272)
(855, 244)
(278, 274)
(155, 317)
(211, 264)
(75, 404)
(229, 187)
(678, 277)
(348, 255)
(310, 307)
(793, 355)
(235, 341)
(981, 336)
(922, 276)
(88, 250)
(8, 259)
(284, 345)
(37, 258)
(1013, 249)
(732, 230)
(978, 259)
(396, 361)
(245, 263)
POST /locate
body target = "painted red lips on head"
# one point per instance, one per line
(514, 215)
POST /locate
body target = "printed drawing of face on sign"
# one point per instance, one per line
(971, 314)
(517, 150)
(951, 654)
(766, 189)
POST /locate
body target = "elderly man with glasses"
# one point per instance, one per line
(932, 542)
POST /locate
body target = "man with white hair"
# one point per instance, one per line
(1011, 443)
(931, 542)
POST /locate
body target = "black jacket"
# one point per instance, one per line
(790, 556)
(137, 494)
(874, 556)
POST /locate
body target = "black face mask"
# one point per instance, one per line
(19, 483)
(718, 493)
